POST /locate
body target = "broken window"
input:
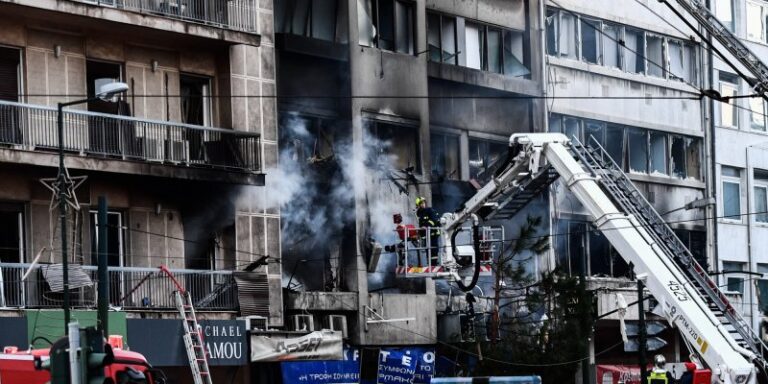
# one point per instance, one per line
(637, 142)
(566, 39)
(757, 113)
(678, 155)
(594, 132)
(724, 12)
(611, 38)
(634, 48)
(572, 128)
(494, 55)
(577, 232)
(400, 144)
(484, 157)
(728, 88)
(323, 20)
(514, 58)
(391, 24)
(658, 153)
(599, 254)
(556, 123)
(731, 180)
(655, 55)
(756, 21)
(442, 39)
(317, 19)
(551, 21)
(614, 143)
(445, 156)
(590, 40)
(696, 242)
(676, 60)
(693, 158)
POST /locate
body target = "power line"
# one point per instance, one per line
(430, 97)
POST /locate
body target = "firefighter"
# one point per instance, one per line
(428, 218)
(659, 374)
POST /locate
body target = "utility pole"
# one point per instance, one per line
(62, 187)
(585, 323)
(641, 332)
(103, 273)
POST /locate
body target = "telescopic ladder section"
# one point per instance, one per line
(726, 38)
(690, 300)
(193, 338)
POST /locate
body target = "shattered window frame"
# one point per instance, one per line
(579, 244)
(655, 55)
(440, 149)
(370, 16)
(386, 131)
(488, 153)
(590, 31)
(326, 26)
(438, 52)
(612, 59)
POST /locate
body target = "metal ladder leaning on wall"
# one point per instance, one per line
(193, 339)
(629, 199)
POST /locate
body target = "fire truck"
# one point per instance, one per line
(126, 367)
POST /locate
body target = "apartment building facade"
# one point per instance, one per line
(627, 78)
(739, 163)
(180, 159)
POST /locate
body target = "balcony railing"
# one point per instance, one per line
(33, 128)
(238, 15)
(129, 288)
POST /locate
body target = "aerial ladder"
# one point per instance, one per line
(689, 298)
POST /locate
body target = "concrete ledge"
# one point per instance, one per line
(479, 78)
(138, 19)
(73, 161)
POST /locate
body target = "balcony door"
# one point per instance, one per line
(10, 88)
(195, 110)
(105, 134)
(11, 251)
(115, 252)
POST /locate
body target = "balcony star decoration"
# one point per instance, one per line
(70, 185)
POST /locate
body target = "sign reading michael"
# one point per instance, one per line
(320, 345)
(224, 341)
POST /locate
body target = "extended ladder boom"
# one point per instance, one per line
(690, 300)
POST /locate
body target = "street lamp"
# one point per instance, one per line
(107, 92)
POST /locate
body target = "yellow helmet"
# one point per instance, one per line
(420, 200)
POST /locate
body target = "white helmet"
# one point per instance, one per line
(659, 361)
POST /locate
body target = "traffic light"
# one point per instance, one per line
(95, 355)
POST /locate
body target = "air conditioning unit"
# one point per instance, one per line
(178, 151)
(256, 323)
(336, 323)
(303, 323)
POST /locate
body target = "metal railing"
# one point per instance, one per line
(33, 128)
(125, 291)
(238, 15)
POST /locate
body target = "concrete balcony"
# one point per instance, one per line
(130, 288)
(120, 144)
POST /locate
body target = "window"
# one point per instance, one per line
(761, 196)
(611, 37)
(445, 156)
(677, 151)
(484, 157)
(637, 141)
(566, 41)
(757, 113)
(318, 19)
(475, 42)
(696, 242)
(386, 24)
(734, 280)
(594, 132)
(572, 128)
(655, 55)
(590, 40)
(195, 99)
(728, 87)
(724, 12)
(614, 143)
(441, 36)
(400, 144)
(756, 14)
(658, 153)
(551, 22)
(693, 158)
(634, 46)
(681, 61)
(731, 178)
(494, 49)
(577, 241)
(98, 74)
(514, 56)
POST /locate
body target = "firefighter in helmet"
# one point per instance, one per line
(430, 221)
(659, 374)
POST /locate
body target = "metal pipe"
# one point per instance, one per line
(103, 300)
(62, 186)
